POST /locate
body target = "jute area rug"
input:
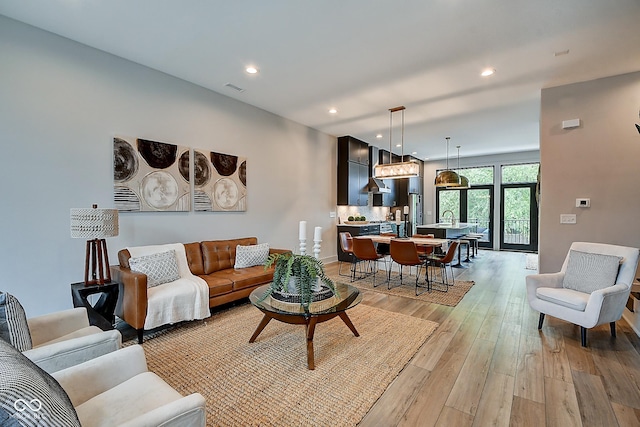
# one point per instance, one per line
(267, 383)
(437, 295)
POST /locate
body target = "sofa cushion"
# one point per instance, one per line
(194, 258)
(13, 323)
(217, 285)
(252, 255)
(588, 272)
(29, 396)
(160, 268)
(247, 277)
(569, 298)
(221, 254)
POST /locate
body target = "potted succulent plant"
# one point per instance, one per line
(297, 274)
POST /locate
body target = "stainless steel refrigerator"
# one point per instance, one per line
(415, 213)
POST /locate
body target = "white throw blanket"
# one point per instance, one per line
(184, 299)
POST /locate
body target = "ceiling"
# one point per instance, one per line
(364, 57)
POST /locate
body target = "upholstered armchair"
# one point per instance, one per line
(57, 340)
(115, 389)
(591, 289)
(65, 338)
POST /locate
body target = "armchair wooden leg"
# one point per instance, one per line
(541, 320)
(583, 336)
(612, 325)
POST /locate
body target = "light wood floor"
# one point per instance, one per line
(488, 365)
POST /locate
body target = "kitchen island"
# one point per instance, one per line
(447, 230)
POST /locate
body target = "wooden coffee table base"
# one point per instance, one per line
(310, 325)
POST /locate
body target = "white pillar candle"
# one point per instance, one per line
(398, 217)
(406, 210)
(317, 233)
(302, 235)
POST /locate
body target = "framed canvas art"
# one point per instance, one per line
(220, 182)
(150, 176)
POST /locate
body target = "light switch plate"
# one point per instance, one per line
(332, 214)
(567, 218)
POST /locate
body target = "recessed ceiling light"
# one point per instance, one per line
(251, 70)
(398, 145)
(426, 158)
(332, 111)
(414, 153)
(488, 72)
(379, 136)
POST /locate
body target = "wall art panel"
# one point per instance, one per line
(150, 176)
(220, 182)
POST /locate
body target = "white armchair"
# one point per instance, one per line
(65, 338)
(117, 390)
(572, 295)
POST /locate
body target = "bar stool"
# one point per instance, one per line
(461, 242)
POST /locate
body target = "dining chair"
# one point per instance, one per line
(405, 253)
(424, 250)
(443, 261)
(346, 244)
(365, 251)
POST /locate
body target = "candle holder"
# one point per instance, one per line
(303, 246)
(316, 248)
(406, 217)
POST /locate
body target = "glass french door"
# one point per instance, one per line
(473, 205)
(519, 217)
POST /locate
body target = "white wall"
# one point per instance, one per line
(598, 160)
(496, 161)
(60, 105)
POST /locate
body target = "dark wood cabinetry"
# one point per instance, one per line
(353, 171)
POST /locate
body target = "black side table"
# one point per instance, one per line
(101, 314)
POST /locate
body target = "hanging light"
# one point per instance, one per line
(447, 178)
(464, 181)
(397, 170)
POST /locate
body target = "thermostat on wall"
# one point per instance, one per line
(583, 203)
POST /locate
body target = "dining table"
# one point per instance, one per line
(423, 241)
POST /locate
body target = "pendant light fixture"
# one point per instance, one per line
(464, 181)
(447, 177)
(397, 170)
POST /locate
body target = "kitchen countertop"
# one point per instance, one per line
(449, 226)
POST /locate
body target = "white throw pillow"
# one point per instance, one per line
(248, 256)
(160, 268)
(588, 272)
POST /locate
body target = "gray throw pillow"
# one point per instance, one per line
(587, 272)
(160, 268)
(13, 323)
(251, 255)
(29, 396)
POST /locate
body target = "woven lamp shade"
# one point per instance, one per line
(94, 223)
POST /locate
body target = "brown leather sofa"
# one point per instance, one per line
(211, 260)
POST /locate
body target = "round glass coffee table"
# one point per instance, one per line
(348, 297)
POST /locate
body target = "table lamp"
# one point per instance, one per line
(95, 225)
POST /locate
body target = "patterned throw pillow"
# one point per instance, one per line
(160, 268)
(248, 256)
(29, 396)
(13, 323)
(587, 272)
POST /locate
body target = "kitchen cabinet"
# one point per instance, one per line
(353, 171)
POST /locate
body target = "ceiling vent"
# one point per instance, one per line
(234, 87)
